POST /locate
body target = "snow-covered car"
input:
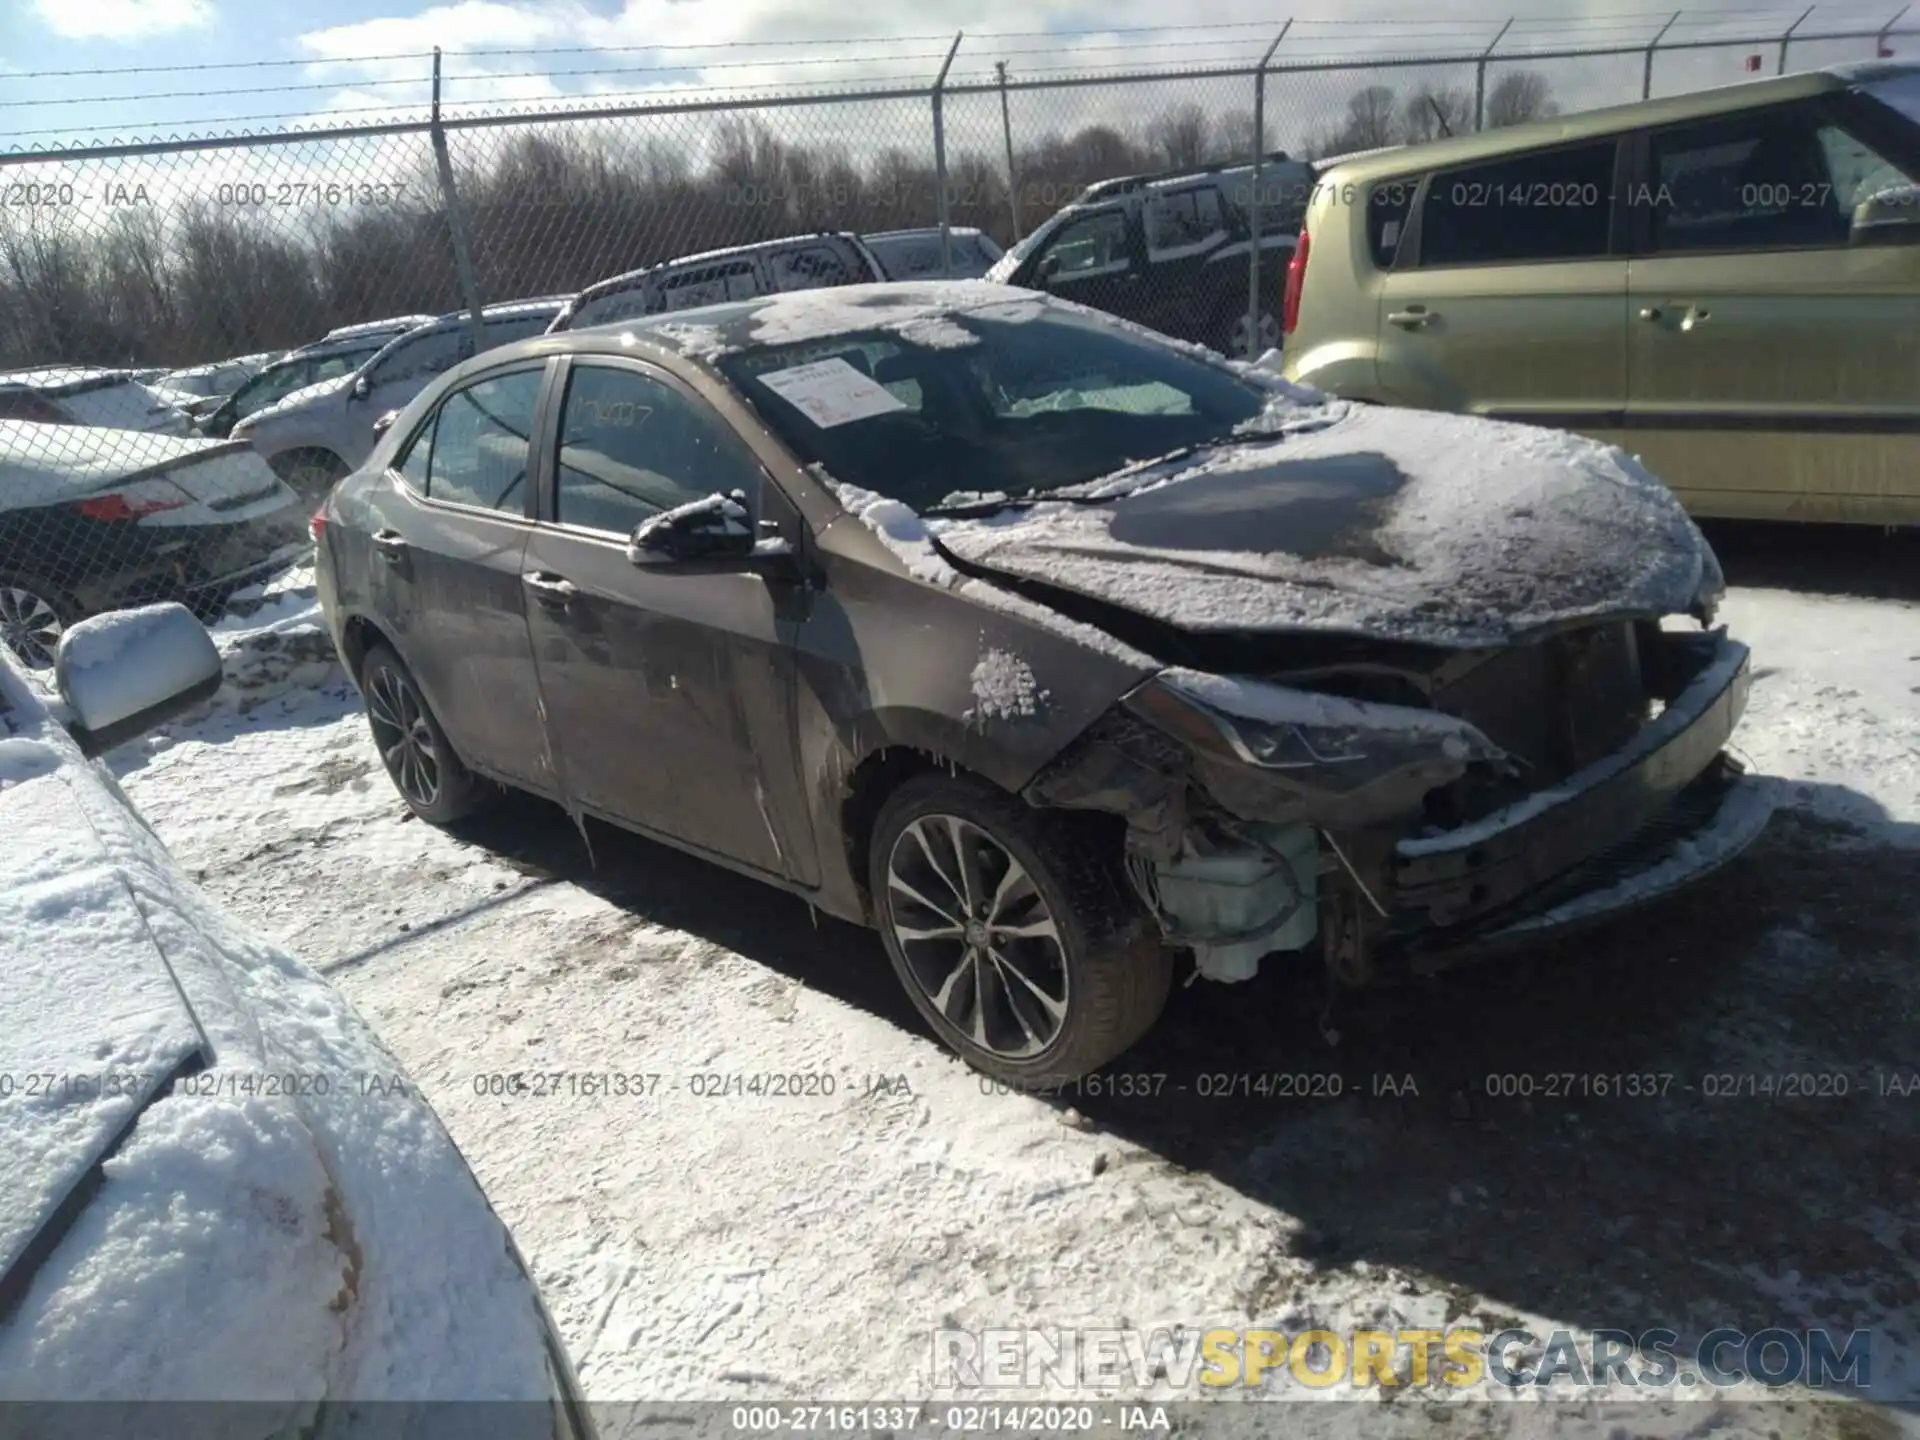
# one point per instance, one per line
(340, 351)
(1045, 644)
(84, 395)
(317, 434)
(95, 519)
(204, 387)
(219, 1185)
(917, 255)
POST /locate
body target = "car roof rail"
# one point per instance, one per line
(1124, 184)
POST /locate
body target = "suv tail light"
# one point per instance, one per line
(317, 526)
(1296, 278)
(119, 508)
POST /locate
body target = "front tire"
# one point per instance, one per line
(419, 759)
(1012, 931)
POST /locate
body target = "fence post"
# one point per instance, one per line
(1880, 41)
(1646, 76)
(1787, 39)
(1006, 133)
(940, 157)
(1480, 77)
(450, 201)
(1253, 193)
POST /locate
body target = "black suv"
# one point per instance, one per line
(1170, 250)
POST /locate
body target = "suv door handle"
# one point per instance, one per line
(1414, 317)
(550, 589)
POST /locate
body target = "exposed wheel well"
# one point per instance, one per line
(873, 779)
(359, 636)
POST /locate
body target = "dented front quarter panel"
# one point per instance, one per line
(890, 659)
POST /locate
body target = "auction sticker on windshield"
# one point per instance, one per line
(831, 392)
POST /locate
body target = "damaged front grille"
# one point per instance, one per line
(1555, 706)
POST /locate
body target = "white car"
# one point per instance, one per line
(319, 434)
(218, 1185)
(88, 395)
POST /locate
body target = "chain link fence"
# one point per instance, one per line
(124, 480)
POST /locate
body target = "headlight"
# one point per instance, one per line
(1348, 744)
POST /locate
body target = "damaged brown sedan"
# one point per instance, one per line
(1052, 649)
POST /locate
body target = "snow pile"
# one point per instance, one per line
(1004, 688)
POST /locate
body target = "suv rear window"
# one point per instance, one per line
(1555, 205)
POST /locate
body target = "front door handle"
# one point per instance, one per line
(550, 589)
(1695, 316)
(1650, 313)
(1414, 317)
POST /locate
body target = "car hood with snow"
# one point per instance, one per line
(219, 1185)
(1391, 524)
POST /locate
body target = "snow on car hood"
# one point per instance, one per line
(290, 1224)
(1394, 524)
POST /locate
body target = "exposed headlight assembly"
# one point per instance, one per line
(1325, 741)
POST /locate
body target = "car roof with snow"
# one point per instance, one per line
(627, 279)
(797, 316)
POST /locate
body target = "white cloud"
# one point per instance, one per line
(121, 19)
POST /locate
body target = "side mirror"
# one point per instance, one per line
(126, 672)
(1892, 214)
(1049, 266)
(718, 526)
(362, 387)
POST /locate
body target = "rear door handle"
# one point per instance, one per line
(550, 590)
(1414, 317)
(1695, 316)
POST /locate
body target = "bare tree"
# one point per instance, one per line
(1519, 96)
(1372, 120)
(1431, 113)
(1180, 137)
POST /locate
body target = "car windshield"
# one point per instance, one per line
(1023, 403)
(1901, 93)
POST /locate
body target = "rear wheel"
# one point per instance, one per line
(413, 747)
(1247, 341)
(1013, 933)
(33, 617)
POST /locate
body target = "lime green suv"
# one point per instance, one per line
(1726, 284)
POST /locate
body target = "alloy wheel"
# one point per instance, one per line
(405, 738)
(1268, 337)
(977, 936)
(30, 626)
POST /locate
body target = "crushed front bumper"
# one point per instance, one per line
(1644, 821)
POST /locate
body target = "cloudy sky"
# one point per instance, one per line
(367, 59)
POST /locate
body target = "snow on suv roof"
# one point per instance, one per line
(373, 327)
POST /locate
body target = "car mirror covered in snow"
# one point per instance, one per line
(718, 525)
(123, 673)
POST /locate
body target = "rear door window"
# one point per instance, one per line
(809, 267)
(1388, 205)
(1184, 222)
(710, 285)
(1538, 208)
(482, 439)
(1777, 179)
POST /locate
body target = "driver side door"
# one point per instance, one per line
(669, 686)
(1091, 261)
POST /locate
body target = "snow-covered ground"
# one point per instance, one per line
(696, 1239)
